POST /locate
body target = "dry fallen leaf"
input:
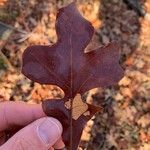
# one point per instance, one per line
(78, 107)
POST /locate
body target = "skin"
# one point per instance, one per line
(31, 117)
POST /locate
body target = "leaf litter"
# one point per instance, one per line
(119, 27)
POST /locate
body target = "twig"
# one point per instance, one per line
(11, 68)
(13, 28)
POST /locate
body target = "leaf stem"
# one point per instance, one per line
(71, 123)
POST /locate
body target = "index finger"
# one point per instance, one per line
(18, 113)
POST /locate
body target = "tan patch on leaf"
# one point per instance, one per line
(78, 107)
(87, 113)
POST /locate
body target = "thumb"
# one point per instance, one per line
(39, 135)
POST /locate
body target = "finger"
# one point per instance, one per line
(18, 113)
(39, 135)
(2, 138)
(59, 144)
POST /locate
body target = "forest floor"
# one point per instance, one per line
(125, 121)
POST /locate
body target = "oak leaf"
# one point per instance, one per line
(66, 65)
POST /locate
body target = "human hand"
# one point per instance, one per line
(39, 132)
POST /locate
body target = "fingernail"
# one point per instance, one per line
(49, 131)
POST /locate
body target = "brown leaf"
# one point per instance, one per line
(78, 107)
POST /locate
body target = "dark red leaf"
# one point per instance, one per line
(66, 65)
